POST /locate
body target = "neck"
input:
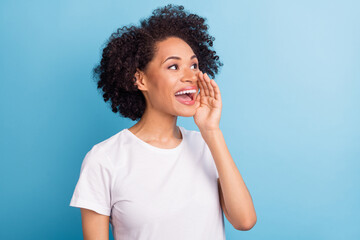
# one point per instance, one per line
(157, 126)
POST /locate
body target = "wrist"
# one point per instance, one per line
(209, 134)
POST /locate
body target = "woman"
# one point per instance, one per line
(156, 180)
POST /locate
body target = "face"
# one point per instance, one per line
(173, 68)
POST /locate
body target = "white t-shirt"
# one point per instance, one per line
(151, 192)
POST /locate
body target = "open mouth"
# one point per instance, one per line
(191, 95)
(186, 96)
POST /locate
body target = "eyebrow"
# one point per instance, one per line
(176, 57)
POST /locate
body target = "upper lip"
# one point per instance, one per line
(188, 88)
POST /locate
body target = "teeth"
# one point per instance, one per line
(186, 91)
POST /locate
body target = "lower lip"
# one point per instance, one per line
(191, 102)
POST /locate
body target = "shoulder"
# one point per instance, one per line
(112, 142)
(194, 137)
(103, 152)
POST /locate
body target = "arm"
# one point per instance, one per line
(95, 226)
(234, 196)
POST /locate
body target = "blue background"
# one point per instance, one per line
(290, 86)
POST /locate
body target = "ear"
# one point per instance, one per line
(140, 80)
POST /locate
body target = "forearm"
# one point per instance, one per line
(237, 199)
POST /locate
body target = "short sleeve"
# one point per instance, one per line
(92, 190)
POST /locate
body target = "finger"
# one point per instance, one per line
(202, 91)
(198, 83)
(197, 100)
(206, 90)
(209, 85)
(217, 94)
(203, 86)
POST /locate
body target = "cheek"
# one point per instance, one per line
(163, 96)
(162, 91)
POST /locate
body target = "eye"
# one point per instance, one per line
(196, 66)
(172, 66)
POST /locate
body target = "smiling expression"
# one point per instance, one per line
(173, 67)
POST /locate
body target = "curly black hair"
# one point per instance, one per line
(134, 47)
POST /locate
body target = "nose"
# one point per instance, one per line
(190, 75)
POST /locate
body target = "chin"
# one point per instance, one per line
(186, 113)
